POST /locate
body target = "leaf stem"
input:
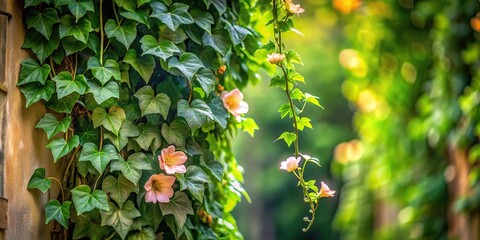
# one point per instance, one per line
(61, 186)
(101, 139)
(53, 67)
(101, 33)
(70, 163)
(115, 12)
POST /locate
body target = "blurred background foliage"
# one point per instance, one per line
(398, 139)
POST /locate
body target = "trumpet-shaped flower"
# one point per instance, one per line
(325, 191)
(233, 102)
(293, 8)
(275, 58)
(159, 188)
(172, 161)
(290, 165)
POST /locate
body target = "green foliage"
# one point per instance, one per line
(128, 79)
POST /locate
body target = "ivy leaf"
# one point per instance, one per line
(59, 3)
(146, 233)
(127, 130)
(151, 103)
(132, 168)
(119, 189)
(42, 21)
(52, 126)
(127, 5)
(120, 219)
(151, 213)
(35, 92)
(249, 125)
(220, 5)
(218, 41)
(67, 85)
(105, 92)
(39, 181)
(196, 114)
(148, 133)
(163, 49)
(125, 34)
(288, 137)
(98, 158)
(104, 73)
(61, 148)
(57, 211)
(31, 72)
(203, 19)
(39, 45)
(85, 130)
(141, 2)
(63, 105)
(139, 15)
(89, 225)
(173, 16)
(206, 80)
(72, 45)
(78, 29)
(179, 206)
(79, 8)
(214, 169)
(176, 133)
(143, 65)
(220, 115)
(112, 121)
(304, 122)
(194, 180)
(29, 3)
(85, 200)
(188, 64)
(237, 33)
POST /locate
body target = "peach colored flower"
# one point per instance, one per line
(233, 102)
(290, 165)
(159, 188)
(172, 161)
(293, 8)
(325, 191)
(275, 58)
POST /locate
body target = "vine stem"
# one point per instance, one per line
(76, 65)
(115, 12)
(101, 33)
(101, 139)
(52, 66)
(61, 186)
(70, 163)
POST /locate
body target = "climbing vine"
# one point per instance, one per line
(143, 100)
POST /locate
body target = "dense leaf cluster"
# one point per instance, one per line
(124, 79)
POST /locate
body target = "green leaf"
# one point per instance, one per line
(105, 92)
(85, 130)
(35, 92)
(196, 114)
(249, 125)
(148, 133)
(288, 137)
(31, 72)
(29, 3)
(220, 5)
(52, 126)
(218, 41)
(219, 113)
(89, 225)
(163, 49)
(141, 2)
(125, 34)
(42, 21)
(120, 219)
(98, 158)
(151, 103)
(119, 189)
(132, 168)
(139, 15)
(67, 85)
(294, 57)
(187, 65)
(112, 121)
(303, 122)
(79, 8)
(145, 233)
(79, 30)
(173, 16)
(206, 80)
(63, 105)
(41, 46)
(104, 73)
(176, 133)
(194, 180)
(72, 45)
(179, 206)
(312, 99)
(59, 3)
(143, 65)
(127, 130)
(237, 33)
(57, 211)
(127, 4)
(85, 200)
(203, 19)
(61, 148)
(214, 169)
(39, 181)
(151, 213)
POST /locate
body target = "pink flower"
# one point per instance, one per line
(233, 102)
(293, 8)
(290, 165)
(325, 191)
(159, 188)
(172, 161)
(275, 58)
